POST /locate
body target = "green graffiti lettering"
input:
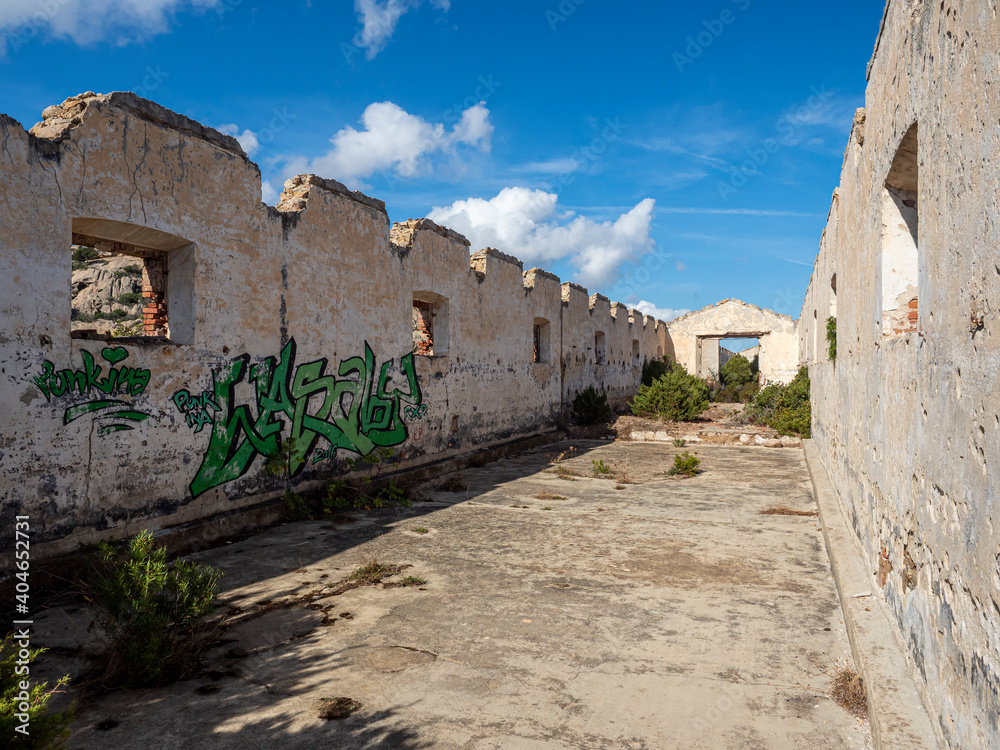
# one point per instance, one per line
(87, 379)
(354, 410)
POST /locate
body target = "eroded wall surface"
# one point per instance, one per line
(289, 326)
(908, 421)
(696, 336)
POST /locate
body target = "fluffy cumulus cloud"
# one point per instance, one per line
(394, 141)
(528, 224)
(247, 139)
(379, 19)
(87, 21)
(665, 314)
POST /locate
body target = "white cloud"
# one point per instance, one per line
(87, 21)
(525, 223)
(379, 19)
(248, 139)
(394, 140)
(666, 314)
(268, 193)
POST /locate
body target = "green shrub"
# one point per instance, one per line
(831, 337)
(737, 372)
(130, 298)
(675, 396)
(591, 407)
(784, 408)
(685, 465)
(46, 729)
(601, 469)
(152, 612)
(657, 368)
(84, 254)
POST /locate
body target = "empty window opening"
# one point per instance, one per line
(600, 349)
(833, 296)
(541, 340)
(899, 257)
(635, 353)
(119, 282)
(430, 324)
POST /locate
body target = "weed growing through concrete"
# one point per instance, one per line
(372, 572)
(849, 691)
(685, 465)
(563, 473)
(420, 530)
(338, 708)
(680, 442)
(601, 469)
(47, 729)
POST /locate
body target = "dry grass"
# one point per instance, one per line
(849, 692)
(550, 496)
(405, 583)
(784, 510)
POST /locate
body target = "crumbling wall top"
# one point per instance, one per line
(478, 259)
(59, 120)
(402, 232)
(295, 195)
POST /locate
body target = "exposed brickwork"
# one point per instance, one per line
(423, 334)
(154, 310)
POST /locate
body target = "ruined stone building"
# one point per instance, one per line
(314, 322)
(907, 417)
(318, 328)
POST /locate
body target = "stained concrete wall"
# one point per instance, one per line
(908, 424)
(288, 323)
(695, 338)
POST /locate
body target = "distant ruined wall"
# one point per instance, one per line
(289, 323)
(696, 337)
(907, 419)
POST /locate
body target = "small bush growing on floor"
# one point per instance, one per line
(680, 442)
(152, 612)
(849, 691)
(784, 408)
(685, 465)
(675, 396)
(591, 407)
(601, 469)
(45, 729)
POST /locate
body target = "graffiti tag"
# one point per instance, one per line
(119, 381)
(198, 411)
(359, 412)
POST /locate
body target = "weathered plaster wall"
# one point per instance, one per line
(696, 336)
(287, 323)
(909, 424)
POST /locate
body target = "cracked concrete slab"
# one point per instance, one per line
(641, 611)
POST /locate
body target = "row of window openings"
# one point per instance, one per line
(430, 333)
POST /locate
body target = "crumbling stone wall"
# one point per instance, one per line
(286, 326)
(907, 418)
(695, 338)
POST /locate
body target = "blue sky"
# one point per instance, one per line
(671, 154)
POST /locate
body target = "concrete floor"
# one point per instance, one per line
(666, 614)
